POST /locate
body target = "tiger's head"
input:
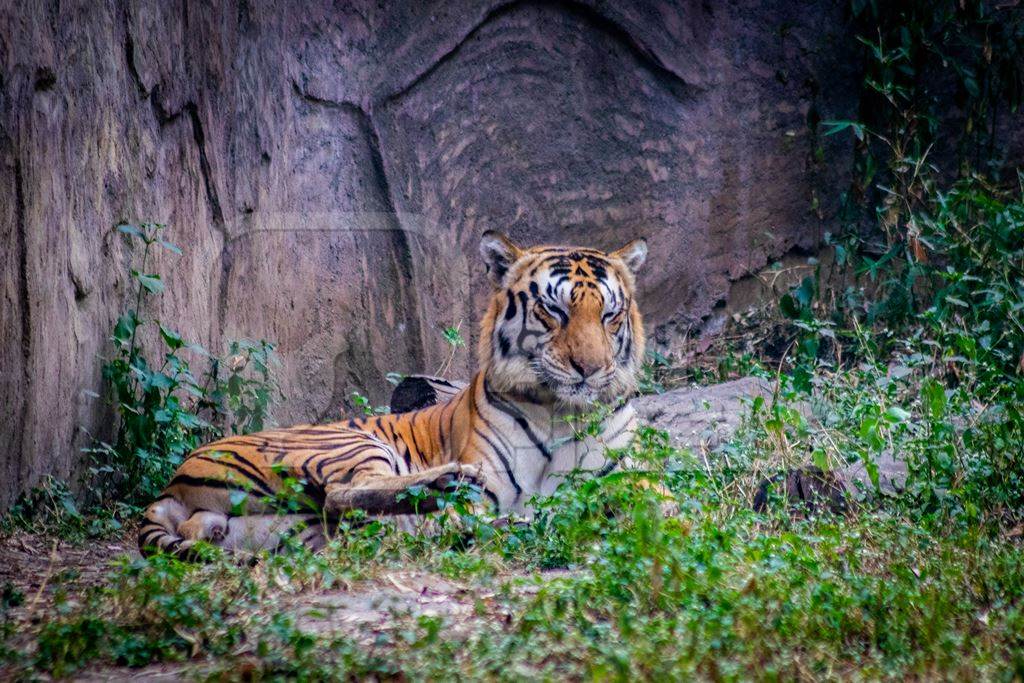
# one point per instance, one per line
(563, 323)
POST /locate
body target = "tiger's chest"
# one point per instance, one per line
(538, 465)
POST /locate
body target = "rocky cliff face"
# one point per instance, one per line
(328, 169)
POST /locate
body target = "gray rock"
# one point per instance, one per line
(701, 418)
(892, 476)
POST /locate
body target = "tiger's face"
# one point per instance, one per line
(563, 323)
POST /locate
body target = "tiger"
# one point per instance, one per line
(562, 333)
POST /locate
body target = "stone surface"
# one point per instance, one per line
(701, 418)
(329, 167)
(892, 476)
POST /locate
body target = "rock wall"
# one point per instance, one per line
(328, 169)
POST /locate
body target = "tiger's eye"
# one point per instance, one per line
(614, 320)
(549, 312)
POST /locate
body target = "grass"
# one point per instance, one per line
(600, 585)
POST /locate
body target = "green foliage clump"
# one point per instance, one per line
(165, 409)
(939, 382)
(161, 407)
(52, 506)
(929, 343)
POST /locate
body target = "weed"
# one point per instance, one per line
(366, 407)
(164, 409)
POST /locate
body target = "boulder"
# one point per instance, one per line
(701, 418)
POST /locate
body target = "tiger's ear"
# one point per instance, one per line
(633, 254)
(499, 254)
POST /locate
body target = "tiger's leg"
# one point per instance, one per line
(372, 485)
(247, 535)
(253, 533)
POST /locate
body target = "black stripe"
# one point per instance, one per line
(510, 310)
(241, 459)
(503, 459)
(258, 481)
(492, 496)
(310, 431)
(144, 536)
(338, 458)
(398, 444)
(324, 443)
(440, 434)
(415, 444)
(350, 475)
(598, 266)
(188, 480)
(442, 381)
(315, 493)
(519, 418)
(306, 474)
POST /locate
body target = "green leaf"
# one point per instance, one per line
(151, 283)
(198, 348)
(820, 459)
(805, 292)
(129, 230)
(171, 338)
(161, 381)
(125, 327)
(897, 414)
(453, 337)
(958, 302)
(872, 469)
(170, 246)
(238, 500)
(934, 398)
(789, 307)
(834, 127)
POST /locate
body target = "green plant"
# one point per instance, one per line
(453, 337)
(940, 263)
(652, 371)
(51, 506)
(712, 591)
(246, 396)
(163, 408)
(366, 407)
(155, 429)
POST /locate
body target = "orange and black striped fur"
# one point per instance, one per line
(561, 334)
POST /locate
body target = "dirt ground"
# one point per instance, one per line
(38, 567)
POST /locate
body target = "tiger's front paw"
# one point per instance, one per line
(454, 474)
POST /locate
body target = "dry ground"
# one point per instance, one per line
(42, 567)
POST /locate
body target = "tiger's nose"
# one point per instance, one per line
(585, 368)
